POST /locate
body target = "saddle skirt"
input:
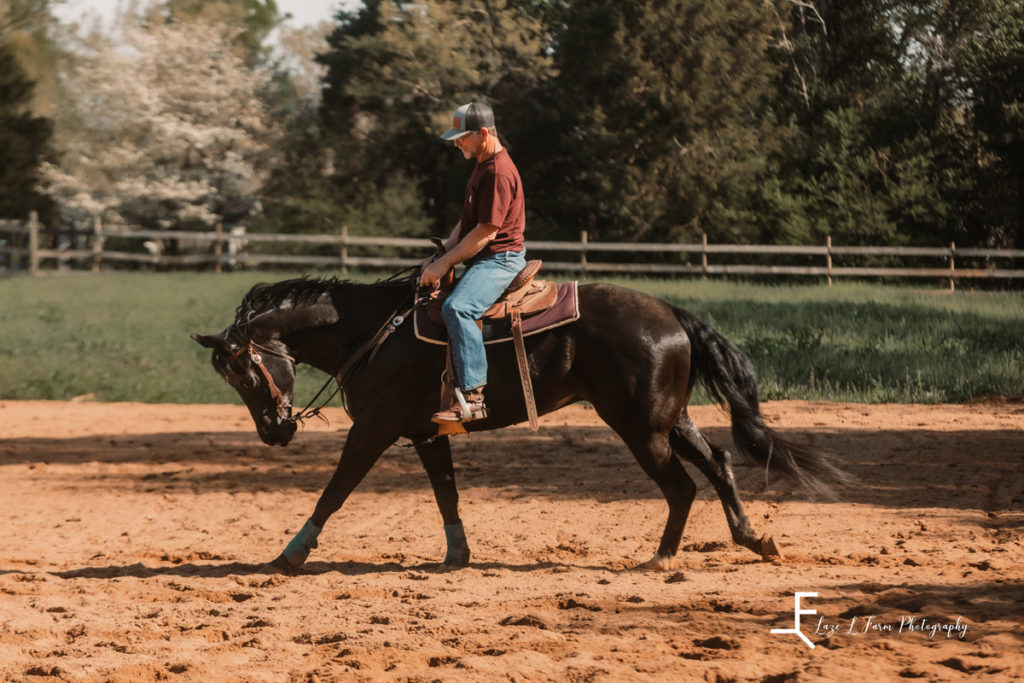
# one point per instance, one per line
(541, 304)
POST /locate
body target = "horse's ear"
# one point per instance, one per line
(212, 341)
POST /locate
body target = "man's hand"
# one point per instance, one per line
(432, 274)
(468, 247)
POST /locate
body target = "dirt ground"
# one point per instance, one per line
(134, 538)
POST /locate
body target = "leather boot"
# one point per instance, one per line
(473, 409)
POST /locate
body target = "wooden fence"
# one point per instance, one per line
(21, 248)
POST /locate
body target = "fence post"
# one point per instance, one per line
(97, 243)
(704, 256)
(218, 246)
(33, 243)
(344, 250)
(952, 266)
(583, 252)
(62, 259)
(828, 258)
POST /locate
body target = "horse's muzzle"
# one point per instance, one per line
(280, 434)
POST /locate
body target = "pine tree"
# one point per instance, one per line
(983, 86)
(658, 118)
(902, 123)
(395, 72)
(24, 143)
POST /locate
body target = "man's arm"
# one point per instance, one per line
(453, 238)
(478, 238)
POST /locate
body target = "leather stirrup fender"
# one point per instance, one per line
(524, 370)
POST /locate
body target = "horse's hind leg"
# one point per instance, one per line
(436, 456)
(655, 457)
(690, 443)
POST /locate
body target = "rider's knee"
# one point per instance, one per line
(451, 309)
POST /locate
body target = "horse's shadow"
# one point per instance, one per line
(349, 568)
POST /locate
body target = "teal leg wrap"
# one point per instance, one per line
(458, 548)
(298, 548)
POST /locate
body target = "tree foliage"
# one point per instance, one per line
(30, 32)
(26, 131)
(870, 121)
(166, 129)
(254, 19)
(982, 70)
(657, 112)
(24, 142)
(873, 121)
(885, 108)
(396, 71)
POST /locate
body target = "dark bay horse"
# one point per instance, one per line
(634, 357)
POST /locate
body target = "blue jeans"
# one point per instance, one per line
(480, 286)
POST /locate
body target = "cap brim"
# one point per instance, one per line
(454, 134)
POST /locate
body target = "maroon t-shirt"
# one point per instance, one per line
(494, 194)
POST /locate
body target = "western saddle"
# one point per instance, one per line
(525, 296)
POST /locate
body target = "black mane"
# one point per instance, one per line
(268, 296)
(297, 292)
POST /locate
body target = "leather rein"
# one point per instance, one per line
(371, 346)
(253, 349)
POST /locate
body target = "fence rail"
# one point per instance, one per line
(219, 249)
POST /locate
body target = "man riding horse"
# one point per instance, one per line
(489, 239)
(635, 358)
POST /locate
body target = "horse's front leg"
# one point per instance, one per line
(363, 447)
(436, 456)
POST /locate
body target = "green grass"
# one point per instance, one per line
(124, 337)
(866, 343)
(116, 336)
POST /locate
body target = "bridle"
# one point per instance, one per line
(399, 316)
(253, 349)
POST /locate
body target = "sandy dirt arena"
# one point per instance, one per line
(134, 538)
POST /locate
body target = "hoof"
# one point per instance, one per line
(659, 563)
(282, 566)
(769, 548)
(457, 558)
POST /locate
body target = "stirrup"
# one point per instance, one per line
(461, 410)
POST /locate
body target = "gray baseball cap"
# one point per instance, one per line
(469, 118)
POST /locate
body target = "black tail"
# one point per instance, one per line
(729, 378)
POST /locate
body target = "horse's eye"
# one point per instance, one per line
(231, 373)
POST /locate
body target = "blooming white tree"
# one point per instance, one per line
(163, 127)
(297, 50)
